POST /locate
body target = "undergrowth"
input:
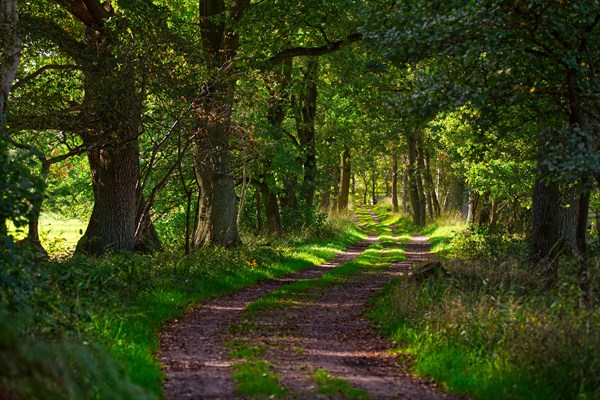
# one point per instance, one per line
(97, 320)
(491, 329)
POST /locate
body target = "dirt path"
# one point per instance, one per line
(196, 363)
(325, 331)
(330, 333)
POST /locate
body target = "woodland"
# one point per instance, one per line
(155, 154)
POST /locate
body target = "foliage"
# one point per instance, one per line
(60, 370)
(491, 329)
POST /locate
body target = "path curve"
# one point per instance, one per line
(331, 333)
(195, 362)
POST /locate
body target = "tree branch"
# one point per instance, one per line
(96, 10)
(60, 121)
(237, 9)
(42, 157)
(313, 51)
(21, 82)
(78, 9)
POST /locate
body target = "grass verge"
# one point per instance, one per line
(491, 330)
(120, 302)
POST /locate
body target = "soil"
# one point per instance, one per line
(324, 331)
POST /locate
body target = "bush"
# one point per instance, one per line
(60, 370)
(303, 217)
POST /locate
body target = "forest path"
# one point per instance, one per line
(323, 331)
(193, 349)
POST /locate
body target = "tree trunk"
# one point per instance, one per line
(10, 55)
(114, 170)
(259, 219)
(494, 215)
(472, 200)
(218, 207)
(146, 236)
(373, 187)
(114, 108)
(545, 234)
(290, 198)
(111, 118)
(306, 110)
(584, 277)
(366, 191)
(344, 180)
(37, 200)
(455, 199)
(419, 177)
(413, 177)
(188, 220)
(567, 219)
(325, 200)
(395, 181)
(404, 189)
(272, 215)
(431, 193)
(486, 210)
(9, 63)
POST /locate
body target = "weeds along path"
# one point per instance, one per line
(193, 350)
(321, 345)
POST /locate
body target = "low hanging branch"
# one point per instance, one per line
(313, 51)
(21, 82)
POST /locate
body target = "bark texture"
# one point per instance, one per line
(272, 215)
(456, 193)
(11, 52)
(395, 181)
(111, 119)
(567, 219)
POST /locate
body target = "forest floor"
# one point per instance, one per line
(303, 338)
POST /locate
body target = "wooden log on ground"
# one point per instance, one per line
(429, 270)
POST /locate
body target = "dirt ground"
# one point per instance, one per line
(324, 331)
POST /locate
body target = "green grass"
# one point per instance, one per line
(441, 233)
(337, 387)
(58, 235)
(254, 379)
(174, 296)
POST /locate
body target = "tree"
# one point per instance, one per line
(9, 62)
(539, 56)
